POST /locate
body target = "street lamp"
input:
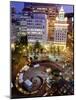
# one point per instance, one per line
(13, 46)
(48, 70)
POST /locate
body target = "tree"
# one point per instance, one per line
(51, 49)
(58, 50)
(30, 49)
(37, 47)
(54, 51)
(55, 72)
(24, 41)
(19, 47)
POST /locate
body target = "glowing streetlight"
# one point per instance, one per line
(48, 70)
(24, 50)
(13, 46)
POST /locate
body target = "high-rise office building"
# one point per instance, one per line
(13, 25)
(34, 25)
(51, 10)
(61, 29)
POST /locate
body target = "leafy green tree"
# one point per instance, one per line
(54, 51)
(58, 50)
(24, 42)
(37, 47)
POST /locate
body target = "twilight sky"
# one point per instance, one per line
(19, 6)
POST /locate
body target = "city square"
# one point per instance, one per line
(42, 50)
